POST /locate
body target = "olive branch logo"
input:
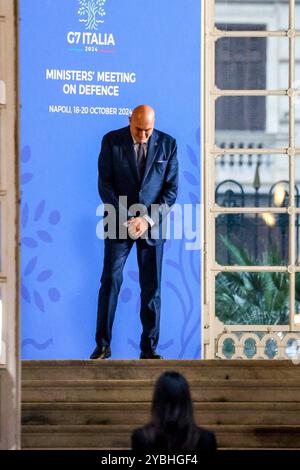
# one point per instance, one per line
(91, 12)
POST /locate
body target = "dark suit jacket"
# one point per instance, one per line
(140, 441)
(118, 176)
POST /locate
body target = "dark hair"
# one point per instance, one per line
(172, 425)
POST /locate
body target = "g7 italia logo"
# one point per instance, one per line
(91, 13)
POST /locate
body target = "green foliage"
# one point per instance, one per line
(256, 298)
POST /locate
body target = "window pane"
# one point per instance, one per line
(241, 113)
(252, 63)
(297, 101)
(297, 22)
(297, 239)
(255, 121)
(250, 348)
(252, 298)
(297, 185)
(228, 348)
(3, 67)
(292, 349)
(252, 239)
(297, 300)
(247, 15)
(244, 180)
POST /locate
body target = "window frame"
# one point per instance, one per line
(212, 327)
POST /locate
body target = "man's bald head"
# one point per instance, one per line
(142, 123)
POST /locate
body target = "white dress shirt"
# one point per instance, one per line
(136, 147)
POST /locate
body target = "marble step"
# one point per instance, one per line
(151, 369)
(118, 436)
(138, 413)
(205, 390)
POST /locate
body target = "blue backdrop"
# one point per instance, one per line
(158, 43)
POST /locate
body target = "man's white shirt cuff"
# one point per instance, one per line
(149, 220)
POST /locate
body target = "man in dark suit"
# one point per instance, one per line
(139, 164)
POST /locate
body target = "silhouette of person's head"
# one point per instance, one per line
(172, 405)
(172, 425)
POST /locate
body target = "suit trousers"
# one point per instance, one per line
(149, 259)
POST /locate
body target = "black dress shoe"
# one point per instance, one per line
(103, 352)
(150, 355)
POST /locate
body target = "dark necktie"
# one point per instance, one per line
(141, 160)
